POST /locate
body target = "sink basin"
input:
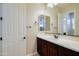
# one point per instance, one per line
(70, 39)
(48, 36)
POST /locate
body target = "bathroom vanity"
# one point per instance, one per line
(65, 38)
(50, 46)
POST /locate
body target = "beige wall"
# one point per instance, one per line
(34, 10)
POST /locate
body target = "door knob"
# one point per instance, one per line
(24, 37)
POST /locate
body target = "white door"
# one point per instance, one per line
(14, 29)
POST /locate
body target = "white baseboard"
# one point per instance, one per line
(32, 54)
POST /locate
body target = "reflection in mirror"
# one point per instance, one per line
(44, 23)
(68, 23)
(41, 22)
(68, 19)
(64, 19)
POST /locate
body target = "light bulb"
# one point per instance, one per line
(50, 5)
(55, 3)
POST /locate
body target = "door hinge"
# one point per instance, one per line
(1, 18)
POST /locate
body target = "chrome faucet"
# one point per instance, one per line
(55, 36)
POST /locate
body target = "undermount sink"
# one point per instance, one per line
(69, 39)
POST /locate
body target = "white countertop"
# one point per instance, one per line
(70, 42)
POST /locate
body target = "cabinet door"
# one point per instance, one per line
(42, 47)
(39, 46)
(52, 49)
(62, 51)
(44, 50)
(66, 52)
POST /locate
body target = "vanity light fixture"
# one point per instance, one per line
(51, 5)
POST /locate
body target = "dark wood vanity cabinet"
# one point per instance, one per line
(62, 51)
(45, 48)
(42, 47)
(52, 49)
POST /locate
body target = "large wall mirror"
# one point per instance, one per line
(67, 22)
(64, 19)
(44, 23)
(68, 19)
